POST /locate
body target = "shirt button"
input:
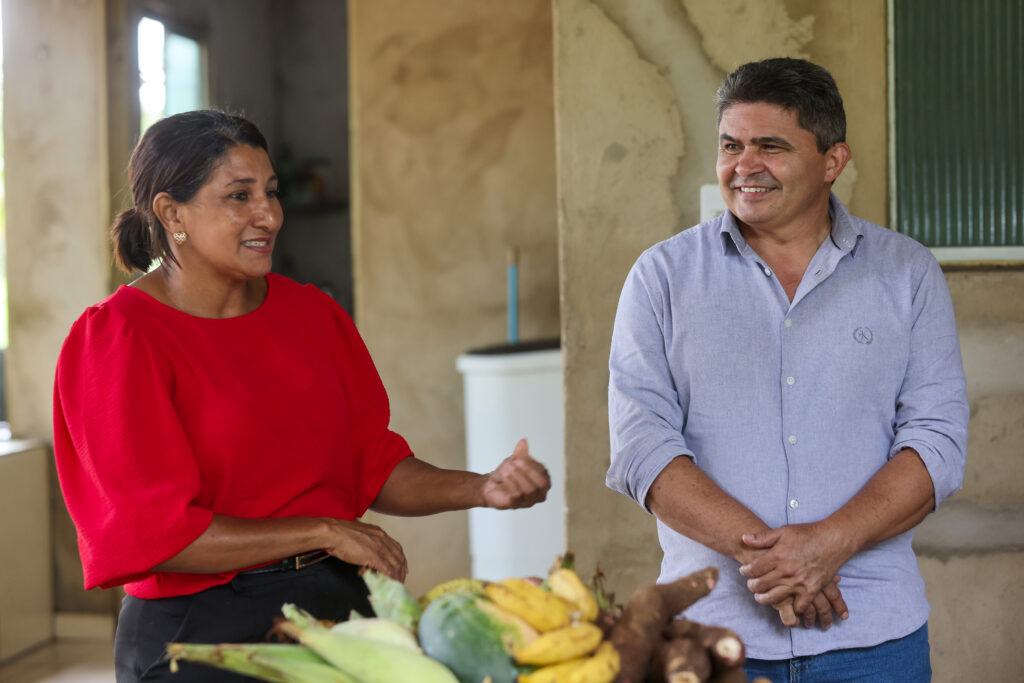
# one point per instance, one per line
(790, 381)
(768, 271)
(788, 322)
(792, 439)
(794, 504)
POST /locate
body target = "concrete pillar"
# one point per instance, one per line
(58, 259)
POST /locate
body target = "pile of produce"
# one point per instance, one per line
(518, 630)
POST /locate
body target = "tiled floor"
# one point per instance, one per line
(63, 661)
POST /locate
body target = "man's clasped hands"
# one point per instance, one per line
(794, 569)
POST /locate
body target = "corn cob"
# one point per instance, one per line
(560, 645)
(390, 599)
(266, 661)
(382, 630)
(540, 608)
(367, 660)
(305, 672)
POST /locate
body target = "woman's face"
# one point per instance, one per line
(233, 220)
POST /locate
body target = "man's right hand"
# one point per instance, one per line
(824, 607)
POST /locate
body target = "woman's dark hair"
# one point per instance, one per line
(176, 155)
(794, 84)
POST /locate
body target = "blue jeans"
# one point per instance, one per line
(904, 660)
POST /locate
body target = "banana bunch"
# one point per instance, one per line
(556, 637)
(571, 647)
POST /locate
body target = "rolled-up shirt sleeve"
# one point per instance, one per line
(932, 412)
(645, 408)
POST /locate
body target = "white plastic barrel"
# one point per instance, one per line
(508, 396)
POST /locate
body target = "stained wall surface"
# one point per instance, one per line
(453, 163)
(636, 137)
(57, 202)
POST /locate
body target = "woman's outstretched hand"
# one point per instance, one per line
(518, 482)
(367, 545)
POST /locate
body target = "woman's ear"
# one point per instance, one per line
(166, 211)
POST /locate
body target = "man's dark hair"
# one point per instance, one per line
(793, 84)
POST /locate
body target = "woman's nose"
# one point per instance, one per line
(268, 214)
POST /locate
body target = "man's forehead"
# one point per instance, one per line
(760, 109)
(759, 120)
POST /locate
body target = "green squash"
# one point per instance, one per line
(464, 632)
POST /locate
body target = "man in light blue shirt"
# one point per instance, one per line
(787, 396)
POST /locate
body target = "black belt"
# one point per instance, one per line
(290, 564)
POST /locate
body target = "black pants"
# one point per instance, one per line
(241, 611)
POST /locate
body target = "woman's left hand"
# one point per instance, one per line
(518, 482)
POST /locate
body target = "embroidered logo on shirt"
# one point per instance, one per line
(863, 335)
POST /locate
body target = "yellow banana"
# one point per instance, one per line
(566, 584)
(465, 585)
(560, 645)
(515, 631)
(556, 673)
(601, 667)
(540, 608)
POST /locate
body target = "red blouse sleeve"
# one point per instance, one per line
(125, 467)
(377, 448)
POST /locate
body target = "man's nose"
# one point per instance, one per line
(749, 162)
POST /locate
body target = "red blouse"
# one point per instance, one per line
(163, 419)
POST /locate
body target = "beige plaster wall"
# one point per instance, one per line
(57, 205)
(453, 162)
(58, 261)
(635, 138)
(971, 552)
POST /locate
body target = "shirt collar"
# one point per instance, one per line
(845, 234)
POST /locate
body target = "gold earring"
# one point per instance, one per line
(179, 237)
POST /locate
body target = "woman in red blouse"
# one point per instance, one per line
(219, 429)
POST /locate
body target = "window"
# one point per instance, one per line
(957, 101)
(172, 72)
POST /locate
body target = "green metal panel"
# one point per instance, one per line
(959, 110)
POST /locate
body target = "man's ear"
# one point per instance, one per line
(166, 211)
(835, 161)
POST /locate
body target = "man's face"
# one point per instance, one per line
(771, 174)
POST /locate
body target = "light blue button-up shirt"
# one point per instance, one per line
(790, 407)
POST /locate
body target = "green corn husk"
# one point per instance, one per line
(392, 600)
(383, 630)
(273, 662)
(306, 672)
(368, 660)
